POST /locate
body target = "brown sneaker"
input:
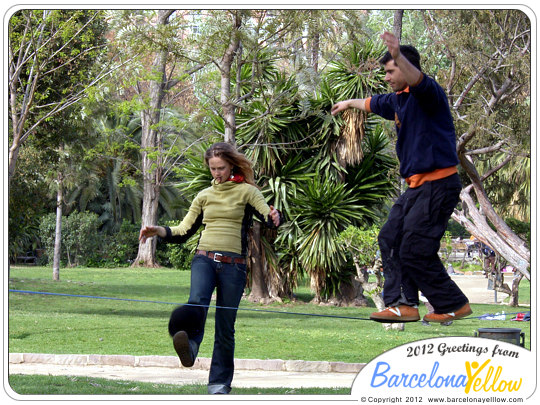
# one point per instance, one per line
(464, 311)
(402, 313)
(183, 349)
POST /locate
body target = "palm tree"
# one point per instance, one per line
(352, 165)
(323, 207)
(321, 211)
(304, 168)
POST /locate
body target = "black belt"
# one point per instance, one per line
(220, 258)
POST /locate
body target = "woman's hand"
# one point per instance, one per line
(150, 231)
(274, 214)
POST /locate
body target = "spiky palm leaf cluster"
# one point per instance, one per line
(324, 173)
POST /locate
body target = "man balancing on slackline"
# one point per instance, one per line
(426, 148)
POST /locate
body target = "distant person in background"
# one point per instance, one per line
(489, 259)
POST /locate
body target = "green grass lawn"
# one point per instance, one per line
(76, 325)
(59, 324)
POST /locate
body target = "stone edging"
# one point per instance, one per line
(174, 362)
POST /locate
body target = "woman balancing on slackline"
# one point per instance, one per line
(226, 210)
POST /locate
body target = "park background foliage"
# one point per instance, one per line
(88, 156)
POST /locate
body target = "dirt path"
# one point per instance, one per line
(167, 370)
(475, 288)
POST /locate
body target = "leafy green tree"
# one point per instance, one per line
(321, 210)
(491, 100)
(67, 144)
(353, 154)
(28, 201)
(120, 247)
(324, 207)
(157, 71)
(53, 59)
(289, 166)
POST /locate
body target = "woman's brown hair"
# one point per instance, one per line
(227, 152)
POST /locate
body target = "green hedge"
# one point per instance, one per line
(80, 237)
(83, 244)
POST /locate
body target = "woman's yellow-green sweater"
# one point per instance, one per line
(226, 211)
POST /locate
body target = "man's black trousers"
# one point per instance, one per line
(409, 242)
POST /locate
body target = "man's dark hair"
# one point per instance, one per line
(409, 52)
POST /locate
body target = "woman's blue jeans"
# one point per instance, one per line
(229, 281)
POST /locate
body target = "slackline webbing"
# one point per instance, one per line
(221, 307)
(194, 305)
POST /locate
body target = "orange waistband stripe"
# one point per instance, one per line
(416, 180)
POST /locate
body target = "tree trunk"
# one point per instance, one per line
(398, 23)
(150, 143)
(259, 290)
(227, 104)
(497, 279)
(146, 256)
(360, 284)
(377, 288)
(314, 35)
(13, 155)
(474, 219)
(475, 215)
(20, 111)
(362, 277)
(514, 297)
(151, 176)
(58, 231)
(374, 290)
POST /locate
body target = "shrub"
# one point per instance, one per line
(47, 229)
(179, 256)
(121, 247)
(176, 255)
(80, 237)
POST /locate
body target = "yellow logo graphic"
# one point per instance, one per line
(490, 380)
